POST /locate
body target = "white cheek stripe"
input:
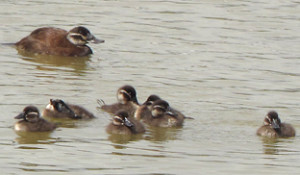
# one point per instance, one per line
(33, 113)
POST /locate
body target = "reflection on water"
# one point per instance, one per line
(162, 134)
(66, 122)
(77, 64)
(124, 139)
(154, 134)
(34, 138)
(274, 146)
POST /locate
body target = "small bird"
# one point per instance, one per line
(274, 128)
(59, 109)
(32, 122)
(59, 42)
(127, 101)
(122, 124)
(151, 99)
(158, 115)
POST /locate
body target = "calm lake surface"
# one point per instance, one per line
(224, 63)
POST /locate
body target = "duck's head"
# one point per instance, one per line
(160, 108)
(60, 106)
(272, 120)
(151, 99)
(126, 93)
(80, 36)
(121, 118)
(29, 114)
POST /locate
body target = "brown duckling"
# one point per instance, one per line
(59, 109)
(148, 103)
(122, 124)
(127, 101)
(159, 115)
(32, 122)
(59, 42)
(274, 128)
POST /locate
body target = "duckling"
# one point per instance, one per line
(59, 109)
(121, 124)
(127, 101)
(148, 103)
(59, 42)
(32, 122)
(159, 115)
(274, 128)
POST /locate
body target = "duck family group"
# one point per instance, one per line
(128, 116)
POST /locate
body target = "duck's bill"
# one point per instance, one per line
(95, 40)
(20, 116)
(275, 125)
(128, 123)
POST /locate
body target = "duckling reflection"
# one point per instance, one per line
(31, 121)
(270, 145)
(55, 41)
(127, 101)
(162, 134)
(61, 110)
(158, 115)
(35, 138)
(274, 128)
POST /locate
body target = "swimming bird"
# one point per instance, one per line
(30, 121)
(59, 42)
(150, 100)
(59, 109)
(158, 115)
(273, 127)
(122, 124)
(127, 101)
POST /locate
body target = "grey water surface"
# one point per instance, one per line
(224, 63)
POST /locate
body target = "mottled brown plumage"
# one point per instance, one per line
(274, 128)
(122, 124)
(59, 109)
(158, 115)
(127, 101)
(59, 42)
(32, 122)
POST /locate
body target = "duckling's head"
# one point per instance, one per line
(80, 36)
(121, 118)
(151, 99)
(126, 93)
(160, 108)
(60, 106)
(272, 120)
(29, 114)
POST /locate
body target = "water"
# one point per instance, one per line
(225, 63)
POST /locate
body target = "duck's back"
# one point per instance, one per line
(40, 126)
(287, 130)
(51, 41)
(82, 112)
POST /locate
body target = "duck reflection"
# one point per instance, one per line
(34, 138)
(63, 123)
(273, 146)
(162, 134)
(79, 65)
(123, 139)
